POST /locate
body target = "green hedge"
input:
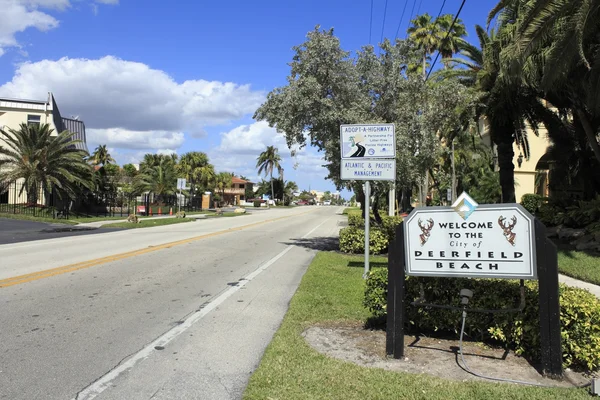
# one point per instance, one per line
(579, 314)
(352, 240)
(532, 202)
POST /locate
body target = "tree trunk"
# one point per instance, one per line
(272, 188)
(507, 171)
(589, 132)
(376, 201)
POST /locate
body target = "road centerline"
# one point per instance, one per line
(34, 276)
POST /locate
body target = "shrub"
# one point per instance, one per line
(352, 240)
(579, 314)
(532, 202)
(257, 203)
(355, 219)
(389, 226)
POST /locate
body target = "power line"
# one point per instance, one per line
(441, 9)
(419, 8)
(383, 25)
(371, 22)
(411, 13)
(401, 17)
(446, 38)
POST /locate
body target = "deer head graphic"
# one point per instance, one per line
(425, 229)
(507, 228)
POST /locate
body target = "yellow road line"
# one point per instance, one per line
(34, 276)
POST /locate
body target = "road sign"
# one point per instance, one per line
(368, 169)
(471, 240)
(368, 141)
(181, 183)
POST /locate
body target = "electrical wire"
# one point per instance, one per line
(383, 25)
(401, 18)
(466, 367)
(371, 22)
(411, 13)
(446, 38)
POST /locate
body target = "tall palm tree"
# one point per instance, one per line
(430, 36)
(222, 181)
(196, 168)
(101, 156)
(42, 160)
(450, 40)
(268, 161)
(160, 178)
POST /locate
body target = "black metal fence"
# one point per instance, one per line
(16, 199)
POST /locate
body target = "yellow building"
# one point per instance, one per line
(14, 112)
(532, 169)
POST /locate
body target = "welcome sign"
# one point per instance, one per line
(471, 240)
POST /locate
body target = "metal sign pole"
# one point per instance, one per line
(179, 203)
(367, 225)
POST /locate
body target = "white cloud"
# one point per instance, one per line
(20, 15)
(123, 138)
(128, 104)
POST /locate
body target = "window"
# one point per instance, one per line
(33, 119)
(241, 185)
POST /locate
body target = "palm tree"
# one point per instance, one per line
(43, 161)
(101, 156)
(160, 179)
(268, 161)
(430, 36)
(196, 168)
(222, 181)
(450, 42)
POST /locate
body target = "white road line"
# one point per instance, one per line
(104, 382)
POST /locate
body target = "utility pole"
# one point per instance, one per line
(453, 175)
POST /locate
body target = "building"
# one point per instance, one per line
(236, 193)
(14, 112)
(531, 174)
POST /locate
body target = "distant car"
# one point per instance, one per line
(303, 203)
(327, 203)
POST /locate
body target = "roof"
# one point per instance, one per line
(235, 179)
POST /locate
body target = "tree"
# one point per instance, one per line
(101, 156)
(430, 36)
(268, 161)
(196, 168)
(43, 161)
(222, 181)
(158, 176)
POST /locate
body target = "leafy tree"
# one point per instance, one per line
(268, 161)
(43, 161)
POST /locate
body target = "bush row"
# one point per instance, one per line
(579, 314)
(352, 238)
(580, 214)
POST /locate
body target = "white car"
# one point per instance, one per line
(327, 203)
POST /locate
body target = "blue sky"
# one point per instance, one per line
(156, 76)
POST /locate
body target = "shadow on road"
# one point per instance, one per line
(316, 243)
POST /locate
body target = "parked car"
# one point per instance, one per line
(327, 203)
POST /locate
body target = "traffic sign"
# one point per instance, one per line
(181, 183)
(368, 141)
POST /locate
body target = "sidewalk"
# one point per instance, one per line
(567, 280)
(98, 224)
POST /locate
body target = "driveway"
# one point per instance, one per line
(15, 231)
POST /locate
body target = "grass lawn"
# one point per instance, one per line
(348, 210)
(150, 223)
(25, 217)
(332, 290)
(579, 265)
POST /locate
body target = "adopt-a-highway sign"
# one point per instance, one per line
(368, 141)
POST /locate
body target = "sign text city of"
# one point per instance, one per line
(471, 240)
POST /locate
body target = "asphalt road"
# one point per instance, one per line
(174, 312)
(15, 231)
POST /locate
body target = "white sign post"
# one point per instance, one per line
(180, 185)
(471, 240)
(368, 154)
